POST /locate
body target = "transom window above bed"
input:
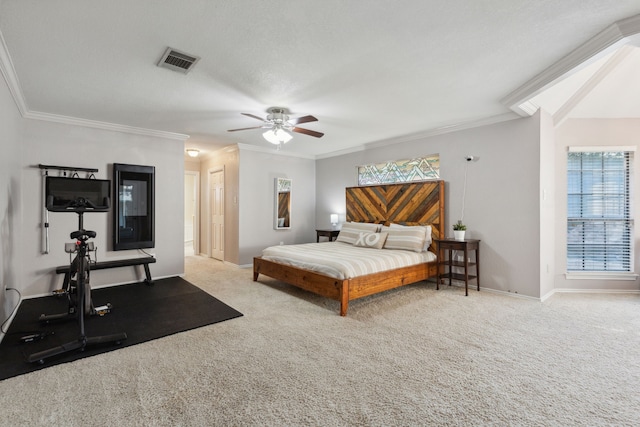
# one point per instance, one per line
(398, 171)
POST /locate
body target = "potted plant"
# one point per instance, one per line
(458, 230)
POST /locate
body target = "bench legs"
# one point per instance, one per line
(148, 279)
(67, 275)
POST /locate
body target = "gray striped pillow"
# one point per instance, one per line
(350, 231)
(405, 238)
(427, 230)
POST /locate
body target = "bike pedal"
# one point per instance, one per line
(59, 292)
(103, 309)
(34, 337)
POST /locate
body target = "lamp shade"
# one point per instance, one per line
(334, 219)
(277, 136)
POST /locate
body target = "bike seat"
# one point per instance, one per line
(81, 233)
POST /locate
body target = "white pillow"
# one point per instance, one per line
(428, 239)
(405, 238)
(350, 231)
(371, 240)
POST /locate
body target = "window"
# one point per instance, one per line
(599, 220)
(419, 169)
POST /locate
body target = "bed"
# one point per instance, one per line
(409, 204)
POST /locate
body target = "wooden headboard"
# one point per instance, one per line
(416, 203)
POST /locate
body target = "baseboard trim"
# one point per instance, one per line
(108, 285)
(509, 294)
(589, 291)
(458, 284)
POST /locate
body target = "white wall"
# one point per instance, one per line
(502, 199)
(258, 170)
(592, 132)
(10, 201)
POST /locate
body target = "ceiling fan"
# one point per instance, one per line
(279, 126)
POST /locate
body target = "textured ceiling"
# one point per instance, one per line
(369, 71)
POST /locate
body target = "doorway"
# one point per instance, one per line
(216, 214)
(191, 213)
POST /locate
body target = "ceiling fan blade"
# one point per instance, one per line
(305, 119)
(252, 116)
(255, 127)
(308, 132)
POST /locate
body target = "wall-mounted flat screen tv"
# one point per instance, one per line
(134, 207)
(77, 194)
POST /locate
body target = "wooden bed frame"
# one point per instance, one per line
(409, 204)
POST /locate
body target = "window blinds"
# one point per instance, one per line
(599, 221)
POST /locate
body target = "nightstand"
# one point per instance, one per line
(330, 234)
(464, 246)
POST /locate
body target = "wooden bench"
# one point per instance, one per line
(145, 261)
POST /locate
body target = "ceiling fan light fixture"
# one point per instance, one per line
(277, 136)
(279, 128)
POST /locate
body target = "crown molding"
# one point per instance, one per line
(13, 83)
(274, 150)
(626, 31)
(56, 118)
(337, 153)
(10, 76)
(444, 130)
(422, 135)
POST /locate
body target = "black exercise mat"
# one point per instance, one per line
(143, 312)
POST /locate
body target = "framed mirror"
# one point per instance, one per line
(283, 204)
(134, 207)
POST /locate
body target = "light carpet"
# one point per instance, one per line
(411, 356)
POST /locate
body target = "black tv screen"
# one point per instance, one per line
(77, 194)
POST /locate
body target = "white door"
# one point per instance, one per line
(216, 209)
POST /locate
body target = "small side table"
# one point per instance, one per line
(464, 246)
(330, 234)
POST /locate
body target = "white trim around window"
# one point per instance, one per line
(588, 275)
(602, 149)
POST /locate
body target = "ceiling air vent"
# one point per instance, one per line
(177, 61)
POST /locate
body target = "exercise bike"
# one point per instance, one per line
(78, 291)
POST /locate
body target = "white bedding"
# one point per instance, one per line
(343, 260)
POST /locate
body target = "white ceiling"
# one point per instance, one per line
(374, 71)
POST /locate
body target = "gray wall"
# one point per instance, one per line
(10, 201)
(258, 170)
(25, 144)
(502, 198)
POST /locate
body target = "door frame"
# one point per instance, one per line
(224, 182)
(196, 225)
